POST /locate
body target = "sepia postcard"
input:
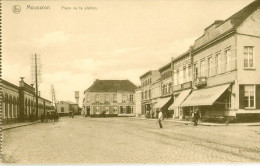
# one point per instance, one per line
(130, 82)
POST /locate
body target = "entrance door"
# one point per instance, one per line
(88, 111)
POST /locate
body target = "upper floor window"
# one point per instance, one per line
(196, 71)
(178, 77)
(114, 98)
(249, 96)
(248, 56)
(227, 59)
(131, 98)
(217, 62)
(189, 73)
(106, 97)
(88, 98)
(184, 74)
(97, 98)
(150, 93)
(209, 66)
(124, 98)
(202, 68)
(175, 78)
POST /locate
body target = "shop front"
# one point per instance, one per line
(163, 104)
(211, 103)
(178, 111)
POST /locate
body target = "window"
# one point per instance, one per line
(131, 98)
(132, 109)
(123, 110)
(175, 78)
(150, 93)
(62, 109)
(248, 56)
(189, 73)
(106, 97)
(217, 63)
(115, 110)
(227, 59)
(184, 74)
(114, 98)
(97, 110)
(178, 77)
(88, 98)
(124, 97)
(107, 110)
(228, 101)
(142, 95)
(196, 71)
(97, 98)
(249, 96)
(202, 68)
(209, 66)
(169, 88)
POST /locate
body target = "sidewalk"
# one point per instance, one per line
(204, 123)
(15, 125)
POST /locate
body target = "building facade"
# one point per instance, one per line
(147, 79)
(19, 102)
(220, 73)
(67, 108)
(110, 98)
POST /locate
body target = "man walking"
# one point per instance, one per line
(196, 117)
(160, 118)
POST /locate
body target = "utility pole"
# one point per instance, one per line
(53, 98)
(36, 87)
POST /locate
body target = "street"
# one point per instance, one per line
(129, 140)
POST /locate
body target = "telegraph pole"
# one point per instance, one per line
(36, 87)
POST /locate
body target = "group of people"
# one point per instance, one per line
(51, 116)
(195, 117)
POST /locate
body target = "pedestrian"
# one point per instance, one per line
(160, 118)
(196, 117)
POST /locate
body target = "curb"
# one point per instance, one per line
(203, 124)
(8, 128)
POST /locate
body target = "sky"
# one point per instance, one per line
(112, 40)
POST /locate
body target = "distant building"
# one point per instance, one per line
(110, 98)
(19, 102)
(138, 100)
(147, 79)
(67, 108)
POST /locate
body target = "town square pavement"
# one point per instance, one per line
(129, 140)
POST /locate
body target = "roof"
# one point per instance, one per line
(235, 21)
(146, 73)
(68, 102)
(165, 67)
(238, 18)
(111, 86)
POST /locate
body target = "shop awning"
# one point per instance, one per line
(162, 102)
(204, 96)
(182, 96)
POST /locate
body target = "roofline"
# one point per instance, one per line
(9, 83)
(164, 67)
(150, 71)
(182, 55)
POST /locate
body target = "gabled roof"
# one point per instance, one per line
(238, 18)
(111, 86)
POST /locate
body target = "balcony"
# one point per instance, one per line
(201, 82)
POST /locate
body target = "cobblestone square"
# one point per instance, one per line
(129, 140)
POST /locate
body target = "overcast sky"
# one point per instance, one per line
(119, 40)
